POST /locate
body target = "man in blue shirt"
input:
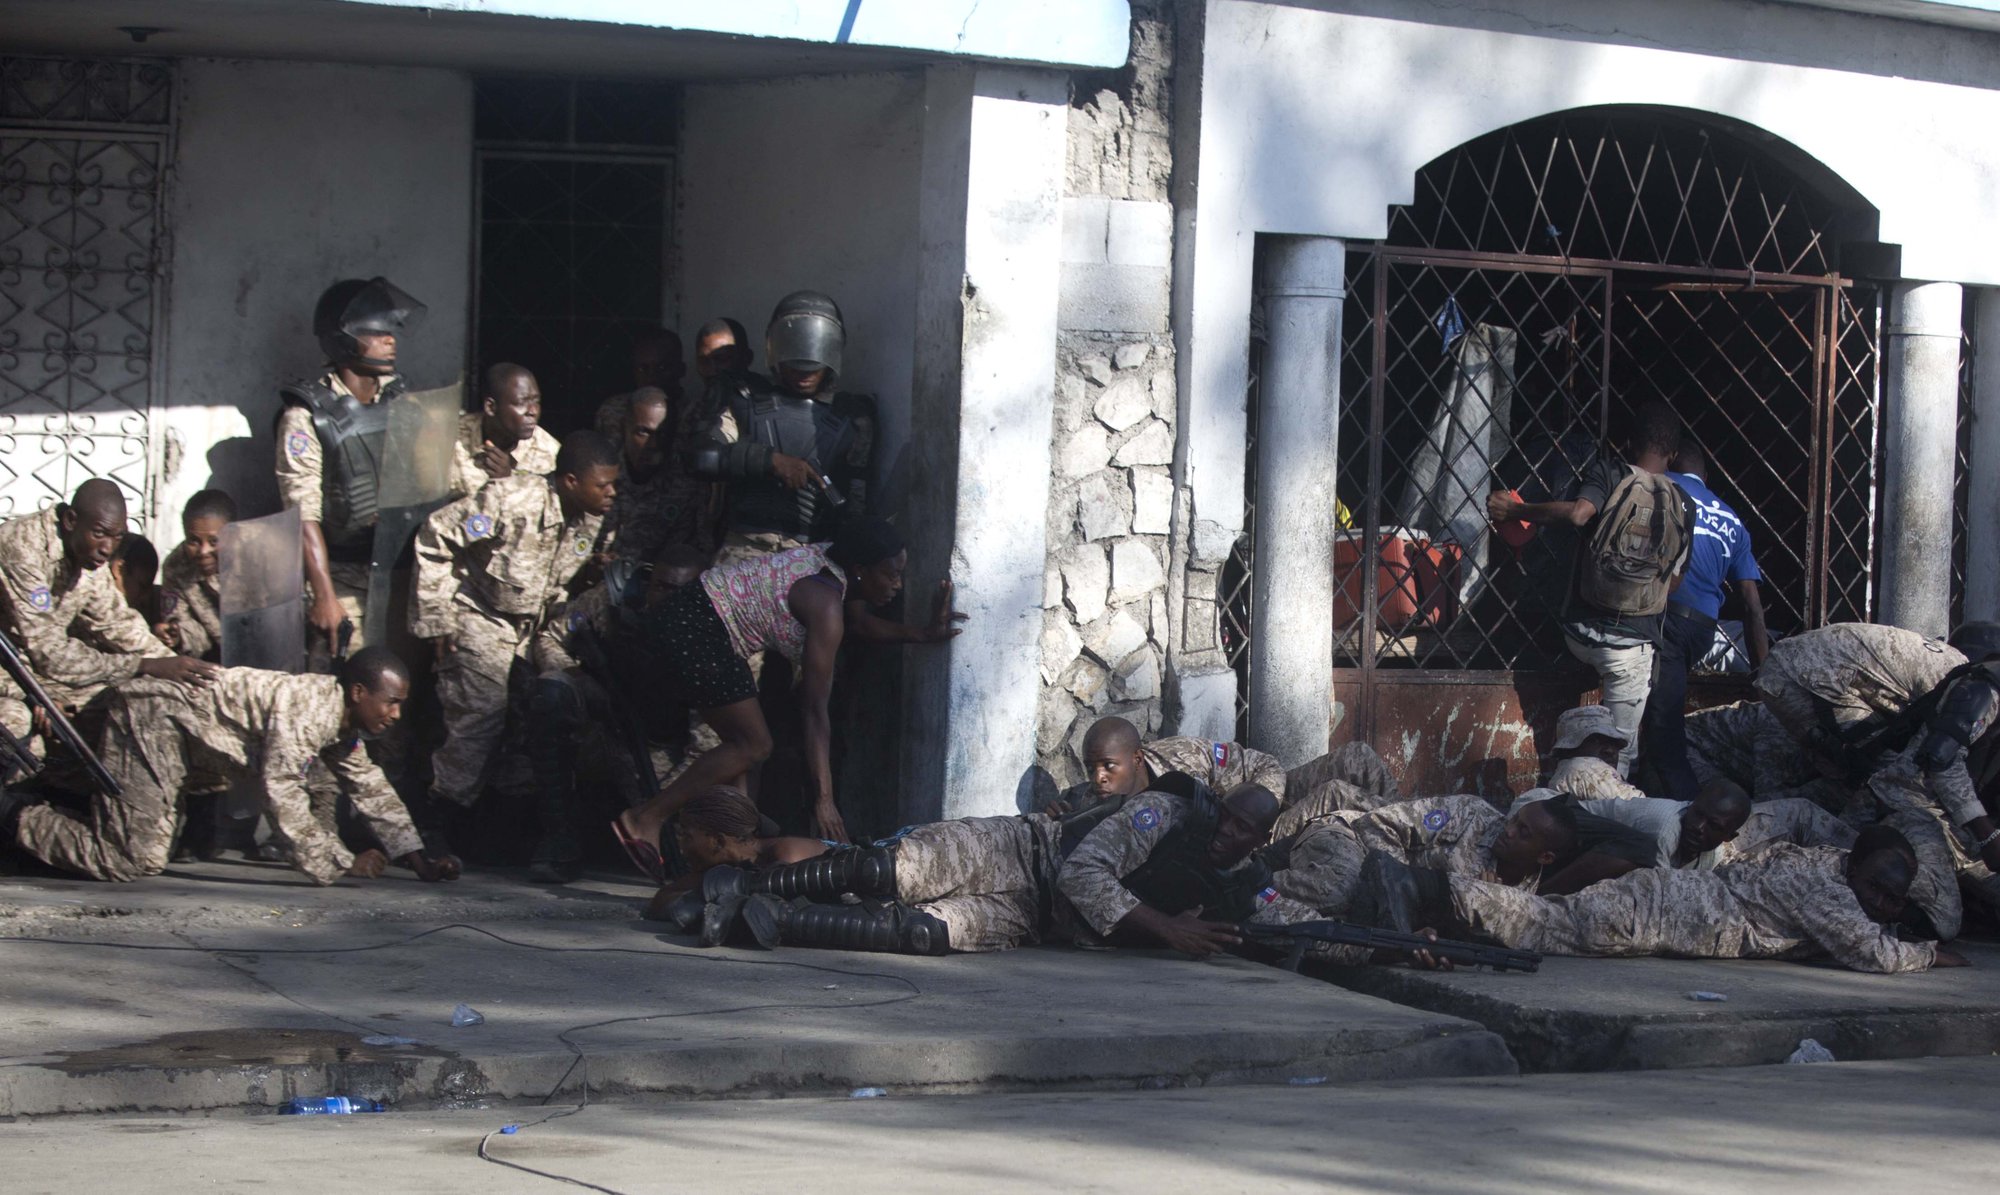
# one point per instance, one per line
(1721, 557)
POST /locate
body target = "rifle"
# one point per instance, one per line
(60, 728)
(1296, 936)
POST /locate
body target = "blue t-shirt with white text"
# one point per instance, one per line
(1721, 554)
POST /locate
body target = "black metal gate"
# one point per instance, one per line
(1549, 278)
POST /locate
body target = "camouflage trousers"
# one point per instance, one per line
(153, 740)
(987, 878)
(1745, 743)
(1948, 865)
(1351, 777)
(472, 686)
(1323, 867)
(1640, 913)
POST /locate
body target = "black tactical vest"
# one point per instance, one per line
(351, 434)
(1177, 876)
(815, 430)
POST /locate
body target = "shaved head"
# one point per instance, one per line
(1253, 803)
(1248, 813)
(100, 499)
(1110, 734)
(504, 375)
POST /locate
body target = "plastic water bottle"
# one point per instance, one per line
(332, 1105)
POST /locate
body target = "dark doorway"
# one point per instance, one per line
(575, 195)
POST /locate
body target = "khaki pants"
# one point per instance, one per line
(1625, 675)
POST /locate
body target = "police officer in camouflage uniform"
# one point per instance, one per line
(488, 567)
(330, 436)
(1788, 902)
(1120, 764)
(271, 725)
(793, 451)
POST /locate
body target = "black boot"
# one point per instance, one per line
(1394, 895)
(890, 928)
(870, 871)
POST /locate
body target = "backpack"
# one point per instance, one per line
(1636, 545)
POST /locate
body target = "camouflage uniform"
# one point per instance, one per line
(1090, 877)
(991, 880)
(1220, 766)
(488, 566)
(1791, 819)
(1948, 861)
(1832, 686)
(1320, 864)
(1746, 744)
(72, 626)
(1590, 778)
(1790, 902)
(301, 484)
(268, 724)
(1352, 776)
(192, 604)
(536, 454)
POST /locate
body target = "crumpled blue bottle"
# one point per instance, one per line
(332, 1105)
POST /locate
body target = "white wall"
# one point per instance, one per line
(810, 184)
(1314, 121)
(287, 177)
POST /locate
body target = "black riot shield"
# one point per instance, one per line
(416, 480)
(263, 593)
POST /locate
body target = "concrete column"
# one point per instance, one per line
(1291, 695)
(989, 229)
(1982, 517)
(1921, 406)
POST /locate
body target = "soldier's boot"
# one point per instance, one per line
(684, 912)
(865, 873)
(888, 927)
(1394, 895)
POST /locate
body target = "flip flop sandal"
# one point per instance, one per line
(644, 855)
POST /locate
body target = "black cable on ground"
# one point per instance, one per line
(582, 1058)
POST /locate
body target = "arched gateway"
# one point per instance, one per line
(1544, 279)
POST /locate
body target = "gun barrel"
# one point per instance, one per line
(59, 724)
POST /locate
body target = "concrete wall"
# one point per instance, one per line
(288, 176)
(810, 183)
(1312, 118)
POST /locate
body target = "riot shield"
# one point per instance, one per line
(415, 480)
(263, 594)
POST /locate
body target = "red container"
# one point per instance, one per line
(1416, 582)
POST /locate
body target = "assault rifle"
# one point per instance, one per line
(1296, 937)
(59, 726)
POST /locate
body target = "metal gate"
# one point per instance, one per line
(1500, 354)
(83, 150)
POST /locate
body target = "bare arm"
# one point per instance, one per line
(865, 624)
(818, 606)
(1755, 637)
(325, 614)
(1502, 507)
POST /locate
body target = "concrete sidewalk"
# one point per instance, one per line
(1581, 1014)
(236, 893)
(616, 1006)
(1904, 1126)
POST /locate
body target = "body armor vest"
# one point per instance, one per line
(350, 438)
(1177, 876)
(813, 430)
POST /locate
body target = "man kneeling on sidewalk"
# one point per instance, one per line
(271, 723)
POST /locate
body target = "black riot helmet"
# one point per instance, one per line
(354, 307)
(1979, 640)
(805, 334)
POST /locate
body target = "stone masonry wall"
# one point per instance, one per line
(1105, 622)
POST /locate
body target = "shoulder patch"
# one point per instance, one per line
(478, 526)
(297, 443)
(170, 601)
(1221, 753)
(40, 599)
(1435, 820)
(1145, 818)
(1267, 896)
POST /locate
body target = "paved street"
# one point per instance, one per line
(1902, 1126)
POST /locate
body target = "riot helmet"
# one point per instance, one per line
(805, 334)
(1978, 639)
(354, 307)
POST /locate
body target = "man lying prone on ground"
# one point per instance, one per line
(1789, 902)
